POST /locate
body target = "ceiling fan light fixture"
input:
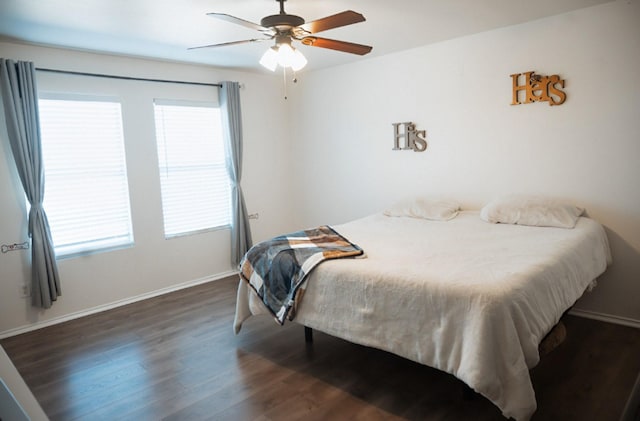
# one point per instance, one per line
(284, 55)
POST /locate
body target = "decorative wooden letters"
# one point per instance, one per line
(538, 88)
(413, 139)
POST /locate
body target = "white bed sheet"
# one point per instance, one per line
(465, 296)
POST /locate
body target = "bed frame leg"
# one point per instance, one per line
(308, 335)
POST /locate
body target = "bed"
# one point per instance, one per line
(459, 294)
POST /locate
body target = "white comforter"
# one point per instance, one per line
(467, 297)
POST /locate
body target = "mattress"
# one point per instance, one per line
(464, 296)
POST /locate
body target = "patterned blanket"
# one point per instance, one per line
(276, 268)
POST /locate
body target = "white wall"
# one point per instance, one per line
(153, 264)
(586, 150)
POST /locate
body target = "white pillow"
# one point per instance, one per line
(421, 207)
(536, 211)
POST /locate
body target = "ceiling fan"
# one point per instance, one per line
(285, 28)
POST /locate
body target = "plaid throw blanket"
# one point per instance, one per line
(276, 268)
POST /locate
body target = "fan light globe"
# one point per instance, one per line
(285, 55)
(270, 59)
(298, 61)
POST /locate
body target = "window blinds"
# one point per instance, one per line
(86, 189)
(195, 183)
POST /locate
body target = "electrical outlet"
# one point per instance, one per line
(24, 290)
(254, 215)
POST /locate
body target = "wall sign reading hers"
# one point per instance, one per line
(538, 88)
(413, 139)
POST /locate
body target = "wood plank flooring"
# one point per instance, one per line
(175, 357)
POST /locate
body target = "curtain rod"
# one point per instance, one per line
(68, 72)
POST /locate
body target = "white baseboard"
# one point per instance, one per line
(115, 304)
(606, 318)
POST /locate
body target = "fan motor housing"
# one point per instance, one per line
(282, 21)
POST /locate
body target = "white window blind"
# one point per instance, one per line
(86, 189)
(195, 184)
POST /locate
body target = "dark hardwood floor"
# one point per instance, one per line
(175, 357)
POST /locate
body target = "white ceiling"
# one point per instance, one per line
(166, 28)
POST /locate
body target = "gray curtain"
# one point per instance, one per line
(232, 129)
(20, 100)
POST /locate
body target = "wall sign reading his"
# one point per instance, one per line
(538, 88)
(413, 139)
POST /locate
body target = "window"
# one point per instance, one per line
(196, 192)
(86, 191)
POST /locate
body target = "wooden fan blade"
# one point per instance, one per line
(334, 21)
(242, 22)
(226, 44)
(332, 44)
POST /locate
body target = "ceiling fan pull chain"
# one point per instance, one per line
(284, 81)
